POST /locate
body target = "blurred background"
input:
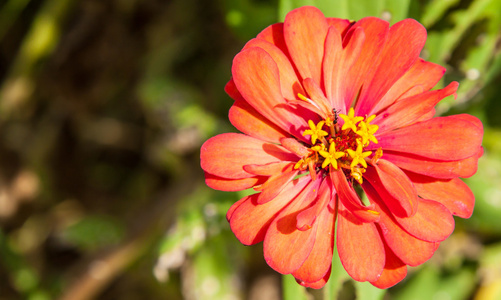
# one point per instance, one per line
(104, 105)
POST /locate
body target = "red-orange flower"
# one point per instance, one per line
(331, 109)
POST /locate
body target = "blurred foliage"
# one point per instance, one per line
(104, 106)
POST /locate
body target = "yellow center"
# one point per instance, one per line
(335, 147)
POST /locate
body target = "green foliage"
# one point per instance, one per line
(292, 290)
(94, 232)
(393, 10)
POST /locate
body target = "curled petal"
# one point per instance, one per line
(250, 220)
(452, 193)
(399, 193)
(294, 146)
(232, 185)
(307, 217)
(269, 169)
(276, 183)
(350, 199)
(283, 236)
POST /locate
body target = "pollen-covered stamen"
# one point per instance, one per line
(356, 173)
(366, 131)
(330, 158)
(306, 99)
(358, 156)
(377, 155)
(350, 121)
(335, 146)
(315, 131)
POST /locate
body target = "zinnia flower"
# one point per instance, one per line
(331, 110)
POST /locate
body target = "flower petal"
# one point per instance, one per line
(349, 197)
(435, 168)
(285, 247)
(360, 247)
(316, 284)
(256, 76)
(405, 41)
(234, 207)
(361, 73)
(432, 222)
(422, 74)
(407, 111)
(246, 119)
(225, 155)
(444, 138)
(394, 271)
(341, 25)
(289, 82)
(307, 217)
(276, 183)
(409, 249)
(319, 261)
(275, 34)
(317, 95)
(232, 185)
(394, 187)
(250, 220)
(294, 146)
(332, 64)
(452, 193)
(305, 30)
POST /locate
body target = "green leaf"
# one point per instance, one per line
(435, 10)
(398, 9)
(336, 8)
(338, 277)
(441, 44)
(363, 8)
(366, 291)
(395, 10)
(292, 290)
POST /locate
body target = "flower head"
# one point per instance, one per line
(347, 104)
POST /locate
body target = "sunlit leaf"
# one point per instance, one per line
(393, 10)
(292, 290)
